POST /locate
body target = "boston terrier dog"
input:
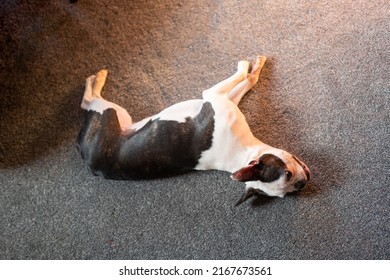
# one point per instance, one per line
(200, 134)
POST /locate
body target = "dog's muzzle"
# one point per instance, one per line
(301, 184)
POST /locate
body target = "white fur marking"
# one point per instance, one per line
(180, 111)
(177, 112)
(275, 188)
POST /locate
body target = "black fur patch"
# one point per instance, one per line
(269, 168)
(160, 148)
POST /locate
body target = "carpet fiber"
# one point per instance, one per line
(323, 95)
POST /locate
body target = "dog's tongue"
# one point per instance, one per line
(244, 174)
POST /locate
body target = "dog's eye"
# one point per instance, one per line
(288, 175)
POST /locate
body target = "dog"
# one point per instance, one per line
(200, 134)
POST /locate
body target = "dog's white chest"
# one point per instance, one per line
(232, 138)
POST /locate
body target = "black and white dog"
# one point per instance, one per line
(201, 134)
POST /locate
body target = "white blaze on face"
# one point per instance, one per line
(276, 188)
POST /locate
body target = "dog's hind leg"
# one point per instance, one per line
(228, 84)
(93, 88)
(93, 101)
(87, 98)
(242, 88)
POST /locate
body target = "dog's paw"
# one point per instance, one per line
(102, 73)
(243, 68)
(257, 65)
(90, 79)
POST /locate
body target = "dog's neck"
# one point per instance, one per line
(253, 152)
(247, 152)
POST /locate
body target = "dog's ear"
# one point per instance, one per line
(248, 194)
(268, 169)
(247, 173)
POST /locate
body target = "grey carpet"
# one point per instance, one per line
(323, 95)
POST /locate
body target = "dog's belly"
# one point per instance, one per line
(160, 147)
(178, 112)
(181, 111)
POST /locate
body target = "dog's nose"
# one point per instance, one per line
(300, 185)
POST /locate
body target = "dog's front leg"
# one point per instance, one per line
(224, 87)
(242, 88)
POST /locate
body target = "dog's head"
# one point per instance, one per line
(274, 173)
